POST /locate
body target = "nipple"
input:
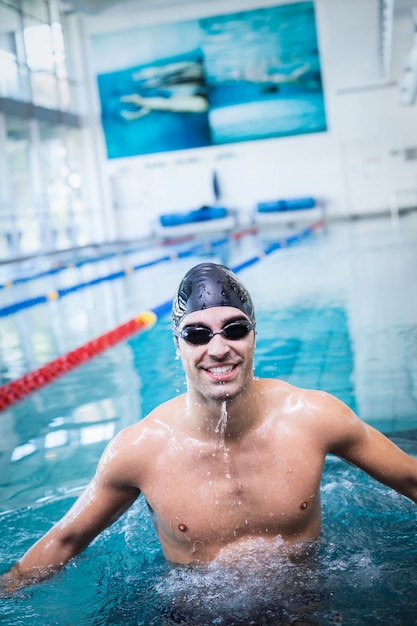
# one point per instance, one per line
(304, 504)
(182, 527)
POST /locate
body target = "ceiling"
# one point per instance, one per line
(95, 7)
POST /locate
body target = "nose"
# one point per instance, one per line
(218, 346)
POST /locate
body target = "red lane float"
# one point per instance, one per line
(317, 224)
(17, 389)
(244, 233)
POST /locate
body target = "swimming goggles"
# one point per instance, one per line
(201, 335)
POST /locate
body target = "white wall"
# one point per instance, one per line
(356, 166)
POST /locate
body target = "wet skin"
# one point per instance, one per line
(232, 460)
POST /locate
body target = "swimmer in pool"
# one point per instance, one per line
(233, 461)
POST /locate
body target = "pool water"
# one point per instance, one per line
(362, 572)
(336, 312)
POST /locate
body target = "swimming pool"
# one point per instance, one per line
(335, 311)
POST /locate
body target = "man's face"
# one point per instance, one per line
(219, 369)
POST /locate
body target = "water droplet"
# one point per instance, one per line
(222, 423)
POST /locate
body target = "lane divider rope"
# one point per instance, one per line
(60, 267)
(165, 307)
(16, 390)
(56, 294)
(281, 243)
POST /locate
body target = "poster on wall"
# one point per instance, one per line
(216, 80)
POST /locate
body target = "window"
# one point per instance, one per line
(42, 155)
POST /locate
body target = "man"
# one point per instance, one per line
(233, 460)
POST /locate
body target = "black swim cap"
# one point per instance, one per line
(208, 285)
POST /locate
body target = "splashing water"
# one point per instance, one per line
(220, 430)
(222, 593)
(222, 423)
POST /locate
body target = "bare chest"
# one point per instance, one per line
(205, 499)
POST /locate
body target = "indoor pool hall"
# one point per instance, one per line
(186, 451)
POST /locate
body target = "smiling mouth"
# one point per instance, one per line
(220, 371)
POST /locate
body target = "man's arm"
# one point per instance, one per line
(367, 448)
(104, 500)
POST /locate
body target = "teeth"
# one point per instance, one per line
(225, 369)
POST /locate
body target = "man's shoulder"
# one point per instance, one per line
(139, 442)
(278, 388)
(286, 389)
(319, 415)
(303, 405)
(155, 424)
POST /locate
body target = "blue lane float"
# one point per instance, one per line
(203, 214)
(290, 204)
(199, 248)
(204, 220)
(195, 250)
(277, 245)
(61, 267)
(165, 307)
(288, 211)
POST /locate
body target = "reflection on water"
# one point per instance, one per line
(52, 441)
